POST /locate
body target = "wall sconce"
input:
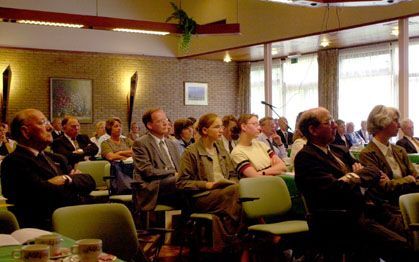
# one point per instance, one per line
(131, 97)
(7, 79)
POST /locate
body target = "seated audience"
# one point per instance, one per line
(36, 182)
(354, 139)
(363, 132)
(183, 133)
(408, 142)
(206, 167)
(330, 180)
(156, 163)
(74, 146)
(134, 133)
(271, 138)
(7, 145)
(116, 147)
(286, 136)
(170, 131)
(57, 127)
(251, 157)
(400, 174)
(341, 138)
(227, 139)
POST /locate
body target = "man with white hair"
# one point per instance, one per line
(408, 142)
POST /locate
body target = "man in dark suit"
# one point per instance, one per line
(156, 163)
(363, 132)
(340, 137)
(57, 128)
(408, 142)
(74, 146)
(331, 180)
(286, 136)
(38, 182)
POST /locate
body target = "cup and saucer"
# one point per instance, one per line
(62, 253)
(103, 257)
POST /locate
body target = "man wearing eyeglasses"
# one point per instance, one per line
(333, 184)
(37, 182)
(156, 164)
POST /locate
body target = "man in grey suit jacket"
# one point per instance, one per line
(156, 164)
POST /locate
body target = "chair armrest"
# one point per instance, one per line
(247, 199)
(414, 226)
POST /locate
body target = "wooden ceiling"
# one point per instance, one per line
(375, 33)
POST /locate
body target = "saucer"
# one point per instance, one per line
(64, 252)
(104, 257)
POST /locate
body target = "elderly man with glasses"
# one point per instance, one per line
(37, 182)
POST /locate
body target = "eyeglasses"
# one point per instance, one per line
(45, 122)
(329, 122)
(254, 123)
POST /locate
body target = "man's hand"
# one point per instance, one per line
(210, 185)
(74, 172)
(351, 178)
(277, 139)
(78, 151)
(357, 166)
(58, 180)
(410, 179)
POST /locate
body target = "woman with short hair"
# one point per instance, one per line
(399, 174)
(116, 147)
(183, 133)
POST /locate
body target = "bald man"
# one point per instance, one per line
(38, 182)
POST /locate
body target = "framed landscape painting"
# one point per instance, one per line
(72, 97)
(196, 93)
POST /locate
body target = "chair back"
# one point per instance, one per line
(112, 223)
(97, 169)
(409, 206)
(8, 222)
(272, 193)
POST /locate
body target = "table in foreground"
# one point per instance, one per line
(6, 251)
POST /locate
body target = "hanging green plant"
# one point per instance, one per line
(186, 24)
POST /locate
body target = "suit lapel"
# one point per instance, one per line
(30, 158)
(156, 147)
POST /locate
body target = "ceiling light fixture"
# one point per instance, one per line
(14, 15)
(341, 3)
(49, 23)
(227, 58)
(395, 31)
(140, 31)
(324, 42)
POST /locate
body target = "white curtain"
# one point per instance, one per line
(414, 83)
(294, 87)
(366, 78)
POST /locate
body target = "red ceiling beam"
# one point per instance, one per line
(109, 23)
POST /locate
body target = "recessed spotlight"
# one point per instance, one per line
(324, 42)
(227, 58)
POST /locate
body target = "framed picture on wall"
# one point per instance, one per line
(72, 97)
(196, 93)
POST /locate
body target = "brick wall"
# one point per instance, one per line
(160, 83)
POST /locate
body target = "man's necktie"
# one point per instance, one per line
(47, 162)
(230, 146)
(340, 163)
(270, 144)
(165, 155)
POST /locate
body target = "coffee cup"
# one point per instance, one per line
(88, 250)
(53, 241)
(32, 253)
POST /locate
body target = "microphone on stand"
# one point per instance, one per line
(267, 104)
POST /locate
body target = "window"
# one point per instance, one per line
(294, 87)
(257, 89)
(366, 78)
(414, 83)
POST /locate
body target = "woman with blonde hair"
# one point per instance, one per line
(206, 169)
(252, 157)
